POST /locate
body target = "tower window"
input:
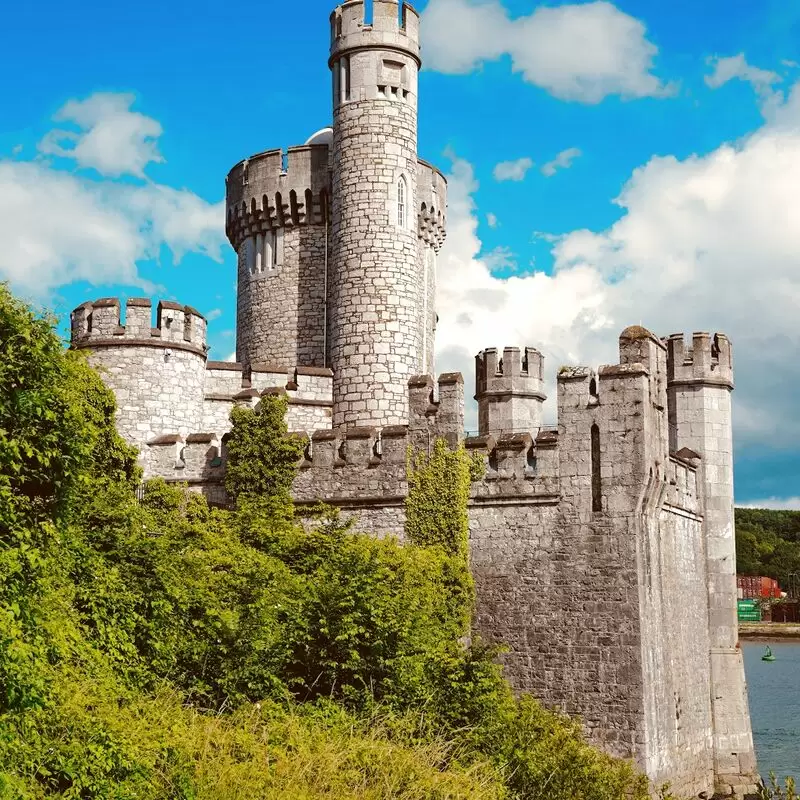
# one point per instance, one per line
(402, 201)
(344, 78)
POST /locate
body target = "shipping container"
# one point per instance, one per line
(749, 611)
(752, 586)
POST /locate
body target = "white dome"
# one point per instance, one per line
(323, 136)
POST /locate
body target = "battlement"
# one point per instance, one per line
(274, 189)
(516, 371)
(432, 201)
(509, 390)
(431, 417)
(97, 324)
(517, 465)
(708, 360)
(394, 26)
(196, 458)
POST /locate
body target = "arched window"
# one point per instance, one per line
(402, 202)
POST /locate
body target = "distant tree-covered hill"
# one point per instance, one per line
(768, 543)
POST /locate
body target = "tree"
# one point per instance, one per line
(262, 459)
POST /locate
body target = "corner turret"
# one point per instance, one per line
(699, 385)
(509, 390)
(157, 372)
(706, 361)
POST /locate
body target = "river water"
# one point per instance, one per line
(774, 690)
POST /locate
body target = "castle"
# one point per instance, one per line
(602, 549)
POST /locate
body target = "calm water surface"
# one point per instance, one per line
(774, 690)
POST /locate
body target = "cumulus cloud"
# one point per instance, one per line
(215, 313)
(777, 503)
(581, 52)
(110, 138)
(705, 243)
(491, 220)
(562, 161)
(57, 227)
(736, 68)
(512, 170)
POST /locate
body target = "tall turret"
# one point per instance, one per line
(378, 321)
(699, 385)
(509, 391)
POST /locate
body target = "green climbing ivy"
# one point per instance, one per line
(438, 495)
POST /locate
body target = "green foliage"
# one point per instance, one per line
(438, 493)
(58, 444)
(768, 543)
(164, 649)
(262, 459)
(775, 791)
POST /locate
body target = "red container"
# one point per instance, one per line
(753, 587)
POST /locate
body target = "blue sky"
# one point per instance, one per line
(119, 123)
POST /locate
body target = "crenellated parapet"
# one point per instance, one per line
(432, 417)
(509, 390)
(707, 360)
(97, 324)
(354, 465)
(394, 26)
(273, 190)
(517, 467)
(432, 205)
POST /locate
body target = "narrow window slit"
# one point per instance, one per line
(597, 497)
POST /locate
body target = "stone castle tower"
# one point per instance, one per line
(602, 548)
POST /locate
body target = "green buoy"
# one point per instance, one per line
(768, 656)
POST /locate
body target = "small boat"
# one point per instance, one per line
(768, 656)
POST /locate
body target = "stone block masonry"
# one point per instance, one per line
(602, 548)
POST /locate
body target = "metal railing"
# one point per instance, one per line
(533, 431)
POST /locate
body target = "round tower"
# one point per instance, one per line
(278, 223)
(380, 320)
(157, 373)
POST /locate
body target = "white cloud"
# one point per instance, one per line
(582, 52)
(562, 161)
(215, 313)
(736, 67)
(512, 170)
(57, 227)
(777, 503)
(491, 220)
(111, 138)
(232, 357)
(706, 243)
